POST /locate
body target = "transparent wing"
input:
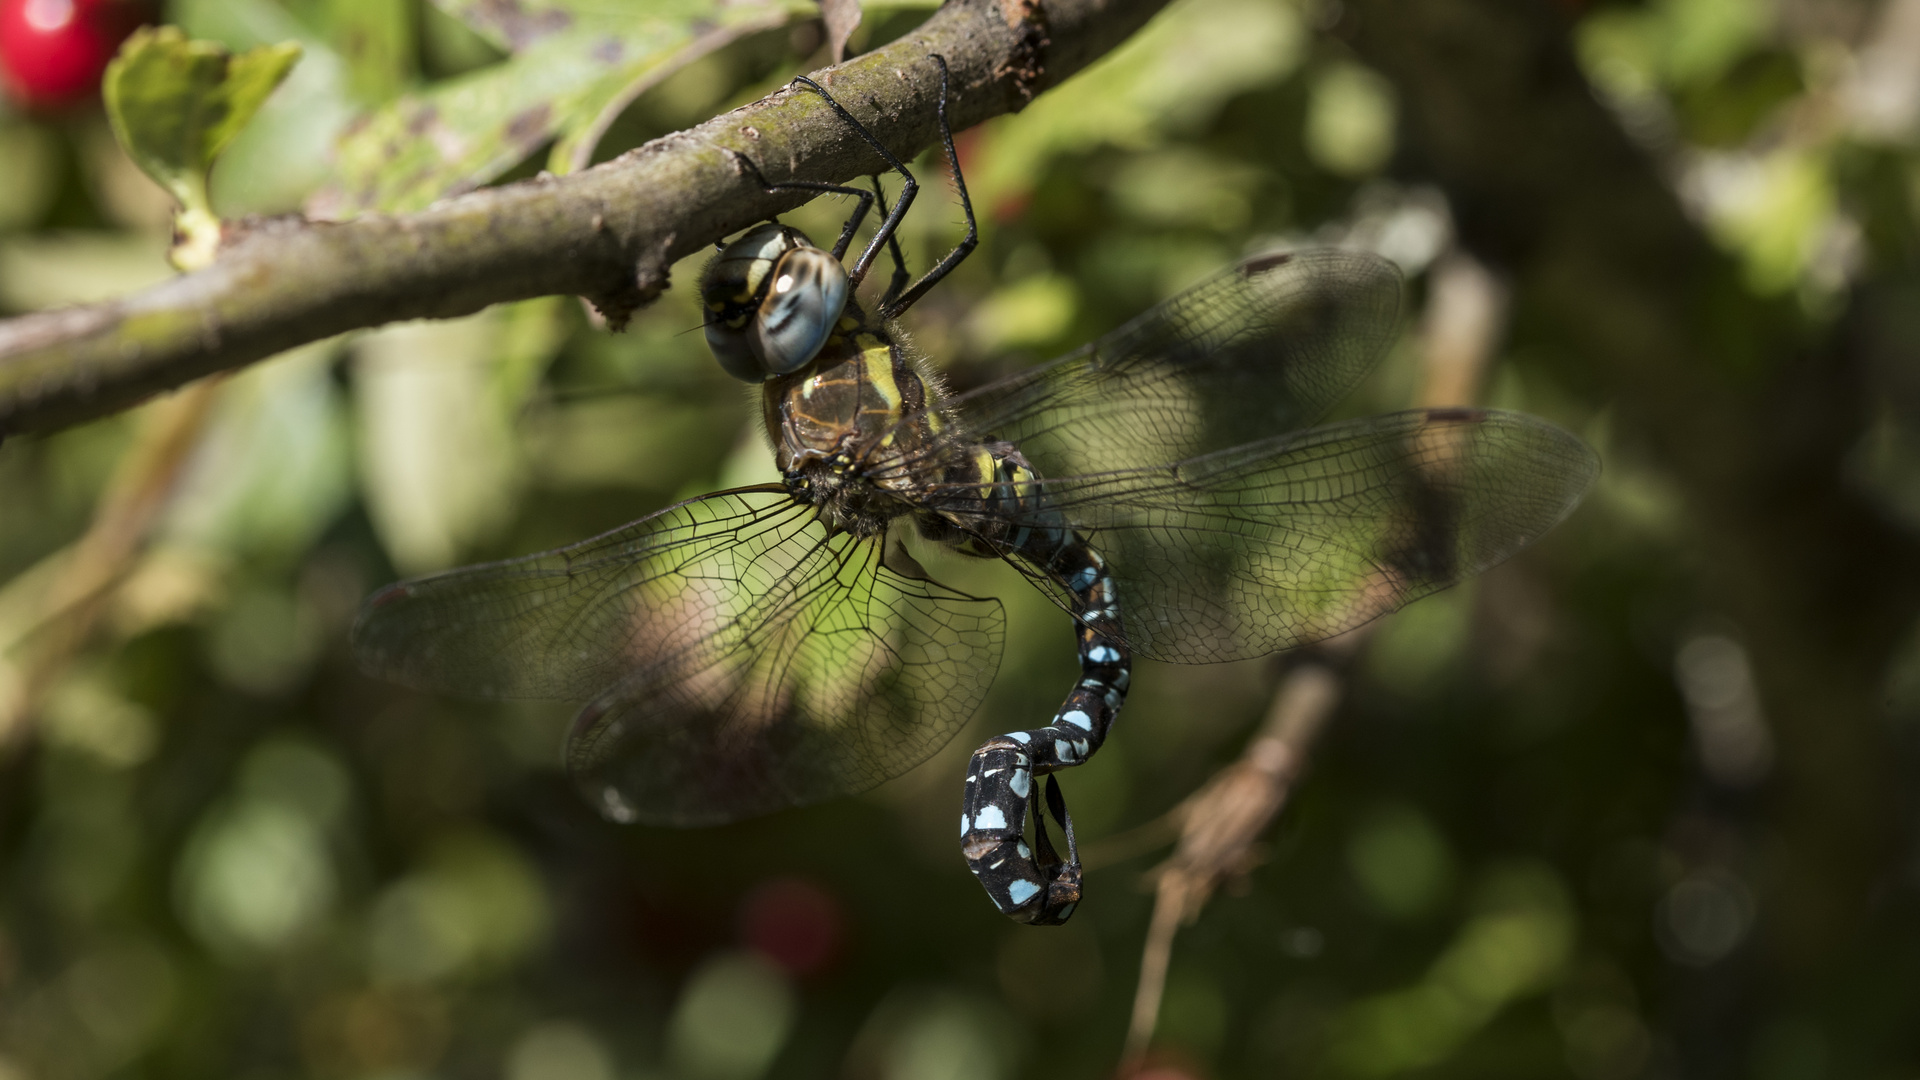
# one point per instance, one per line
(571, 622)
(1262, 349)
(850, 673)
(1260, 548)
(738, 658)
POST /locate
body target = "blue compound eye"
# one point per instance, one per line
(732, 287)
(803, 300)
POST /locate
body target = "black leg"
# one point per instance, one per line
(900, 275)
(911, 187)
(853, 222)
(897, 299)
(906, 299)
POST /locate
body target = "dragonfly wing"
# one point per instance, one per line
(738, 658)
(1260, 548)
(847, 672)
(571, 622)
(1264, 348)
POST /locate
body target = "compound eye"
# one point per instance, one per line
(732, 287)
(802, 303)
(735, 353)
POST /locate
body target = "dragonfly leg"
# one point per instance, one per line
(896, 304)
(853, 221)
(1029, 886)
(910, 187)
(900, 275)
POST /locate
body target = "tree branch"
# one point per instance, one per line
(609, 233)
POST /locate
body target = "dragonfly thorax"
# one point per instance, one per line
(844, 499)
(857, 432)
(771, 299)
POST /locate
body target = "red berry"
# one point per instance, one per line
(53, 51)
(794, 923)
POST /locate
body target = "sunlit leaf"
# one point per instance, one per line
(376, 39)
(436, 403)
(280, 158)
(570, 65)
(1174, 73)
(1775, 209)
(175, 104)
(274, 467)
(513, 26)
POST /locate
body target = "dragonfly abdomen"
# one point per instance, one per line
(1038, 886)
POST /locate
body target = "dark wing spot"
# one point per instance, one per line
(1264, 263)
(587, 719)
(390, 594)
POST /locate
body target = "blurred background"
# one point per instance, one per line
(1637, 804)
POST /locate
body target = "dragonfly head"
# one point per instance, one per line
(772, 298)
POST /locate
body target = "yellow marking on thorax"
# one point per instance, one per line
(878, 358)
(983, 467)
(1023, 481)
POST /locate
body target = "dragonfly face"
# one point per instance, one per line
(773, 646)
(771, 300)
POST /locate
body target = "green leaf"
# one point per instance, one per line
(513, 25)
(175, 104)
(286, 152)
(376, 39)
(274, 466)
(1169, 78)
(440, 468)
(574, 66)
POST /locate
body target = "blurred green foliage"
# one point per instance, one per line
(226, 853)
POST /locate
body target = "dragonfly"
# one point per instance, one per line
(777, 645)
